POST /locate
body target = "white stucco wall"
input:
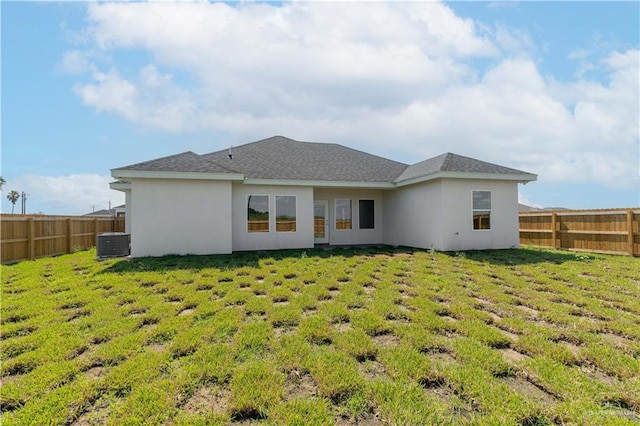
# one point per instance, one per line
(413, 215)
(457, 222)
(127, 211)
(171, 216)
(272, 240)
(354, 235)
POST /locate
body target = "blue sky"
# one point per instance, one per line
(547, 87)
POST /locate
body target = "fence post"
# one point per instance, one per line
(68, 220)
(554, 231)
(31, 249)
(95, 229)
(630, 231)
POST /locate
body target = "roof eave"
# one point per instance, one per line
(518, 177)
(320, 183)
(132, 174)
(120, 186)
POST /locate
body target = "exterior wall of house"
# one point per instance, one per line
(457, 217)
(413, 215)
(171, 216)
(302, 237)
(355, 235)
(127, 211)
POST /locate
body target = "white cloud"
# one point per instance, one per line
(70, 194)
(398, 79)
(152, 98)
(75, 62)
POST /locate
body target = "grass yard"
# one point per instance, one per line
(360, 336)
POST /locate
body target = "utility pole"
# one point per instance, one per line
(24, 202)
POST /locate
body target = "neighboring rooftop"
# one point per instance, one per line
(106, 212)
(525, 208)
(282, 158)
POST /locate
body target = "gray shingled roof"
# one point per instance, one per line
(283, 158)
(105, 212)
(449, 162)
(184, 162)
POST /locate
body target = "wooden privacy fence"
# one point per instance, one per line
(601, 231)
(31, 237)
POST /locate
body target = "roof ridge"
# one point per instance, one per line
(156, 159)
(251, 143)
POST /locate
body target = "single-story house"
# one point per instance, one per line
(279, 193)
(117, 211)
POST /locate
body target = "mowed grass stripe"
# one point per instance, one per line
(374, 335)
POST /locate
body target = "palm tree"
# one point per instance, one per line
(2, 182)
(13, 196)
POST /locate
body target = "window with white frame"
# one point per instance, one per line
(258, 213)
(366, 214)
(343, 214)
(481, 210)
(286, 213)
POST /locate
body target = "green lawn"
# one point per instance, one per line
(359, 336)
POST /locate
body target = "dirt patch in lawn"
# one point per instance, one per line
(494, 317)
(299, 386)
(616, 340)
(509, 334)
(459, 408)
(156, 347)
(94, 372)
(528, 389)
(184, 312)
(343, 326)
(284, 331)
(510, 355)
(372, 370)
(368, 419)
(532, 313)
(483, 301)
(600, 376)
(442, 358)
(575, 350)
(97, 414)
(208, 400)
(385, 340)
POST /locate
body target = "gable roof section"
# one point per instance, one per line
(282, 159)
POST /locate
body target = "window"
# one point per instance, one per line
(285, 213)
(367, 218)
(343, 214)
(481, 210)
(258, 213)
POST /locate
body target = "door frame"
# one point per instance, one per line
(325, 203)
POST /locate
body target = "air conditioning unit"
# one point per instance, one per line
(112, 244)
